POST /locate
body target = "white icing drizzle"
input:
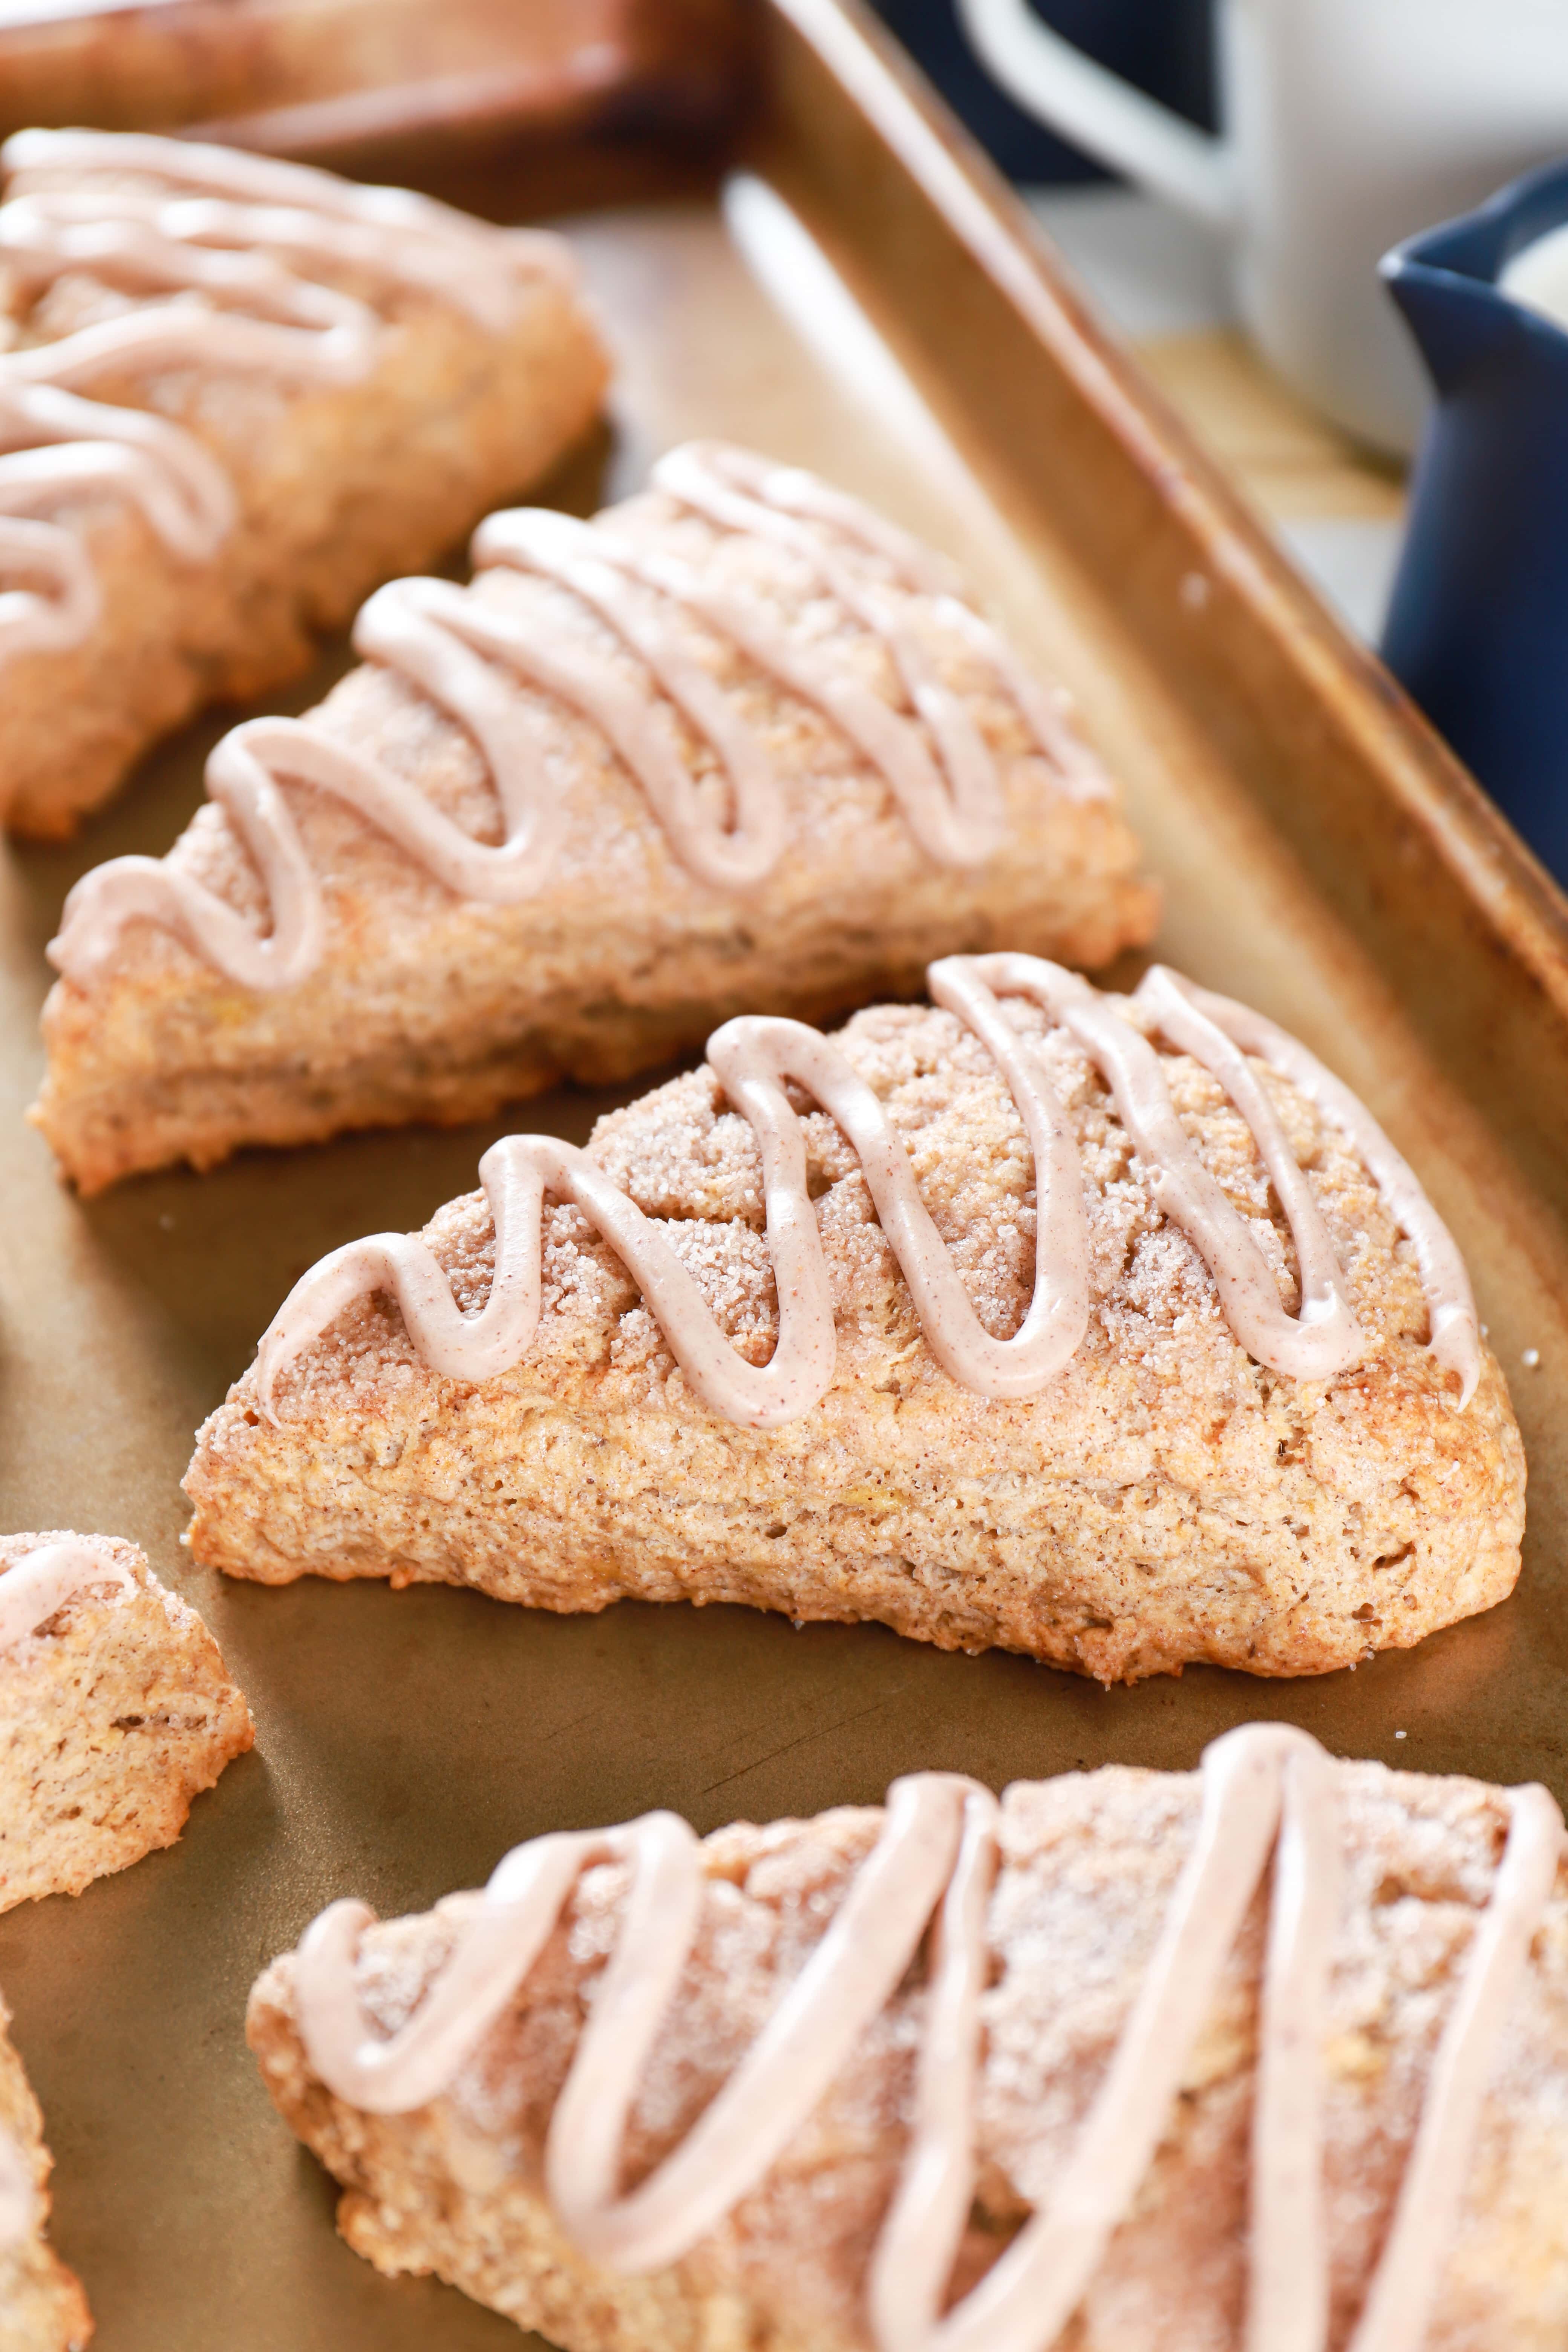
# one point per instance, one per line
(1268, 1790)
(231, 240)
(44, 1580)
(18, 2194)
(467, 653)
(753, 1056)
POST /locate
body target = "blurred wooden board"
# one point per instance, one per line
(319, 77)
(1288, 460)
(862, 298)
(1167, 285)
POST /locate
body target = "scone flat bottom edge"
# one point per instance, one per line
(1117, 1605)
(101, 1133)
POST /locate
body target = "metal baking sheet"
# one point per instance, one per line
(858, 297)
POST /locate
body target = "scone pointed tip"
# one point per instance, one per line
(457, 1344)
(313, 1303)
(1196, 1018)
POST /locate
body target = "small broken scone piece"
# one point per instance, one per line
(116, 1709)
(738, 745)
(42, 2306)
(236, 394)
(1274, 2055)
(1110, 1330)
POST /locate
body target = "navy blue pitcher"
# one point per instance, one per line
(1478, 629)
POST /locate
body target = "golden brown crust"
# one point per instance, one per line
(114, 1715)
(338, 488)
(1164, 1499)
(42, 2306)
(427, 1005)
(1089, 1865)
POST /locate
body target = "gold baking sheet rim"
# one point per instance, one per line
(407, 1739)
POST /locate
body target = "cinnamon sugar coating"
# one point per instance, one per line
(432, 1006)
(114, 1715)
(1163, 1499)
(42, 2306)
(1089, 1865)
(338, 488)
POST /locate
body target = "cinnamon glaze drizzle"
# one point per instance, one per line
(755, 1056)
(1269, 1790)
(43, 1581)
(233, 240)
(468, 656)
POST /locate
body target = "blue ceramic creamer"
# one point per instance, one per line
(1478, 628)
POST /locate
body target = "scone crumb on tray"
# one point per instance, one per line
(116, 1710)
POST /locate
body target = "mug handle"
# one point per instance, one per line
(1097, 110)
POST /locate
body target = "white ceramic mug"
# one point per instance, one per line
(1349, 124)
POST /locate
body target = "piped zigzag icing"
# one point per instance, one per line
(235, 243)
(753, 1057)
(1269, 1790)
(468, 656)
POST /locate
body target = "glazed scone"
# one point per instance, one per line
(647, 2095)
(116, 1709)
(1108, 1432)
(42, 2306)
(235, 393)
(738, 745)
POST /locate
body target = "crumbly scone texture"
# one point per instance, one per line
(1089, 1865)
(430, 1006)
(42, 2306)
(1164, 1499)
(338, 488)
(114, 1715)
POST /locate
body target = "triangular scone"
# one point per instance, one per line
(42, 2306)
(1135, 2091)
(234, 394)
(1129, 1473)
(116, 1709)
(737, 745)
